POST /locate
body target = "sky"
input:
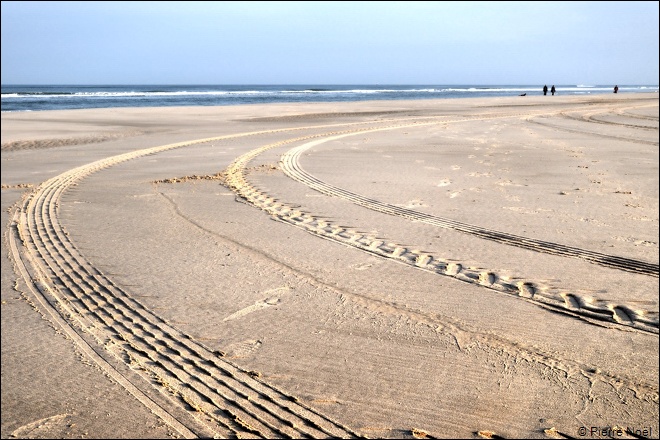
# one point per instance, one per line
(319, 42)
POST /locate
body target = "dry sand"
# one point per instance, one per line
(440, 269)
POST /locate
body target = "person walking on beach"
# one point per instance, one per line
(545, 90)
(552, 90)
(616, 89)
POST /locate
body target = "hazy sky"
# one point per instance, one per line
(344, 42)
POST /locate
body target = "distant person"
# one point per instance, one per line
(545, 90)
(616, 89)
(552, 90)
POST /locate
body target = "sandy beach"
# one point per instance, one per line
(458, 268)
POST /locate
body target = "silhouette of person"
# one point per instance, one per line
(545, 90)
(552, 90)
(616, 89)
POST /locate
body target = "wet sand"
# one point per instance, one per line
(467, 268)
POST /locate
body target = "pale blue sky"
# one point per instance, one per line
(343, 42)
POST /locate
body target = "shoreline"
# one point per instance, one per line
(181, 96)
(368, 320)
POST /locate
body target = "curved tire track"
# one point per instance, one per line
(591, 117)
(224, 399)
(551, 298)
(591, 133)
(290, 163)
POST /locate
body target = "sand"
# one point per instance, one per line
(474, 268)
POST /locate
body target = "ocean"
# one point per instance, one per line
(62, 97)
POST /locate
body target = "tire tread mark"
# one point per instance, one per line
(233, 400)
(555, 299)
(291, 166)
(572, 130)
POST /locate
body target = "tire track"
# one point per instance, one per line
(625, 112)
(202, 394)
(592, 310)
(290, 164)
(223, 399)
(591, 133)
(592, 119)
(41, 297)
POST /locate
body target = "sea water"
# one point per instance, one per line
(62, 97)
